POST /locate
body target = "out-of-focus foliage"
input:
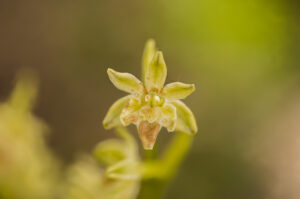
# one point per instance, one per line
(29, 171)
(117, 178)
(27, 168)
(86, 179)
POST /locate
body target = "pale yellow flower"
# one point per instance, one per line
(150, 104)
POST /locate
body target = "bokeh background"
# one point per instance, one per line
(243, 57)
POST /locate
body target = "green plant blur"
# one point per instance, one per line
(242, 55)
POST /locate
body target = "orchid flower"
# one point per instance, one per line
(150, 104)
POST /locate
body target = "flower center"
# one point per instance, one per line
(154, 100)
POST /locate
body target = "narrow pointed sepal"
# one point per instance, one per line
(112, 118)
(156, 73)
(148, 133)
(177, 90)
(148, 54)
(125, 81)
(186, 121)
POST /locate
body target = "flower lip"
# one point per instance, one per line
(148, 133)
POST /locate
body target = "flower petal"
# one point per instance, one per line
(130, 112)
(148, 133)
(177, 90)
(185, 118)
(169, 117)
(111, 151)
(125, 81)
(124, 170)
(148, 54)
(112, 118)
(156, 73)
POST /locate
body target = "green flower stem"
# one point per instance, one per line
(150, 155)
(125, 134)
(158, 173)
(175, 153)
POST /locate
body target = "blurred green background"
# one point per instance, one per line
(243, 57)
